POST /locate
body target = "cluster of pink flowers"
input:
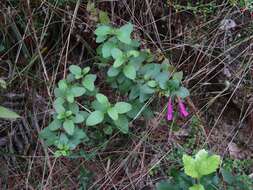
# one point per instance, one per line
(182, 110)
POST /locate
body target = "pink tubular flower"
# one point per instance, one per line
(170, 110)
(182, 109)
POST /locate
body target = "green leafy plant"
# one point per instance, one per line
(132, 70)
(105, 111)
(129, 71)
(63, 132)
(203, 164)
(197, 172)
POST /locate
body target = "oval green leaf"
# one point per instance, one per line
(88, 82)
(95, 118)
(103, 30)
(113, 113)
(122, 124)
(130, 71)
(7, 114)
(75, 70)
(69, 126)
(78, 91)
(102, 99)
(116, 53)
(55, 125)
(112, 72)
(123, 107)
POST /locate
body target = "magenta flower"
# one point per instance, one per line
(182, 109)
(170, 110)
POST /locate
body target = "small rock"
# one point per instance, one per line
(227, 24)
